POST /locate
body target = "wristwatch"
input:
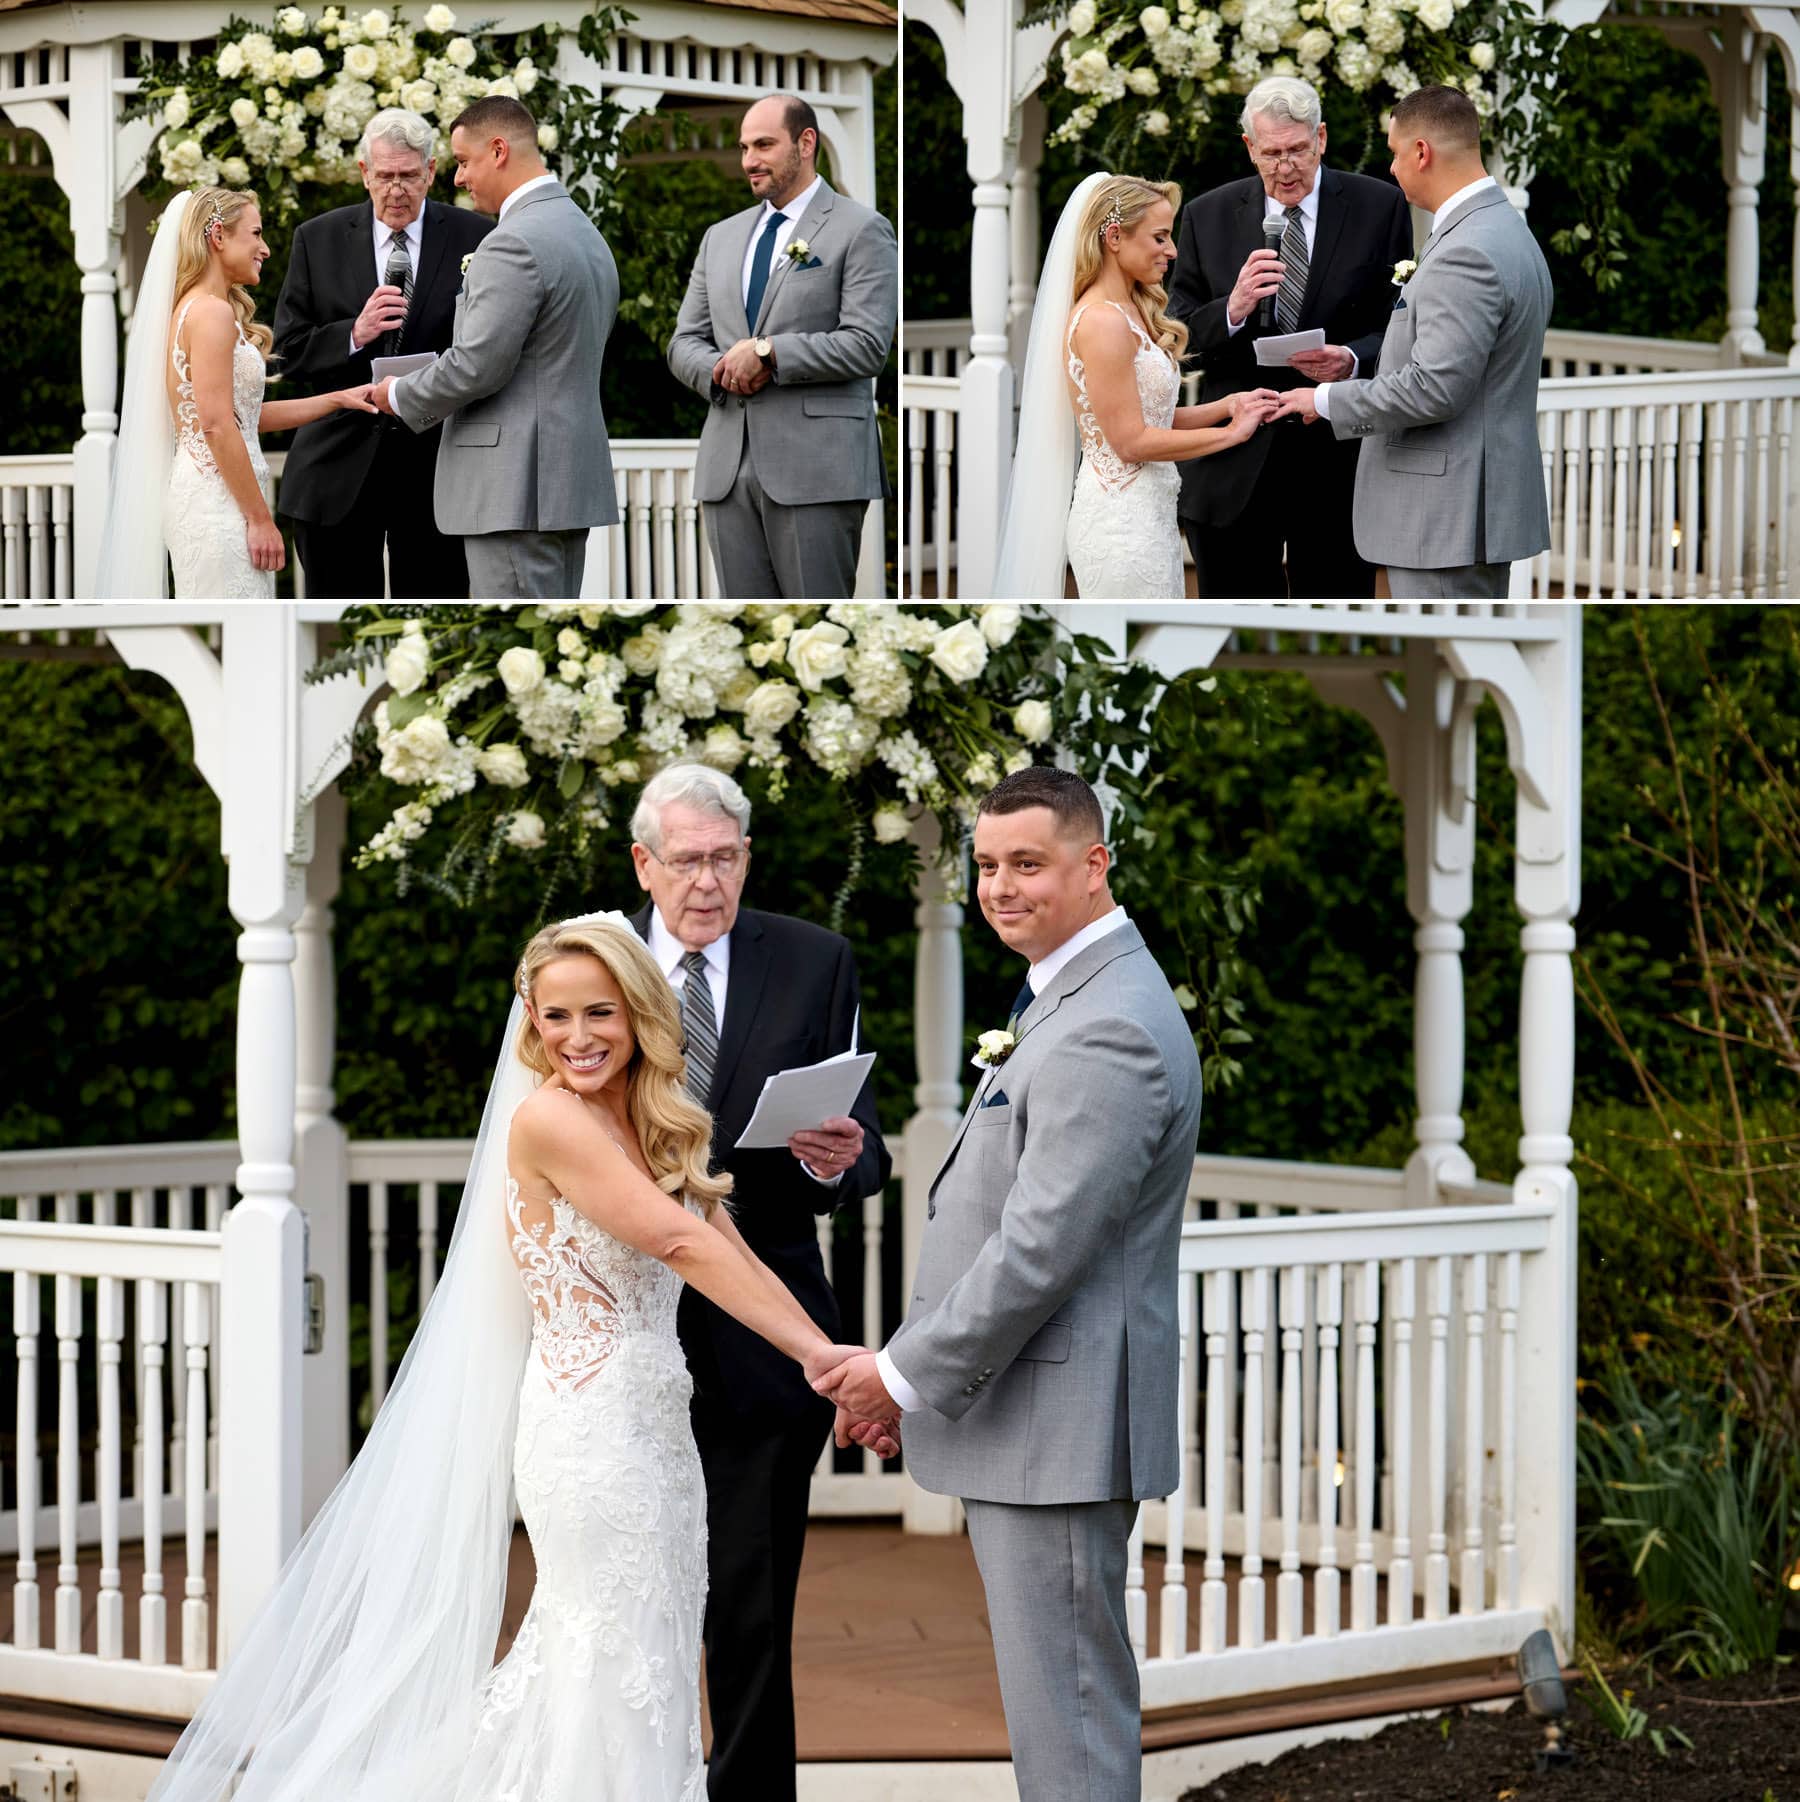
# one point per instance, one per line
(764, 348)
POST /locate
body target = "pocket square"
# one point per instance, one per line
(1400, 303)
(997, 1099)
(810, 263)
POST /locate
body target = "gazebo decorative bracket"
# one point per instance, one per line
(1369, 693)
(1499, 668)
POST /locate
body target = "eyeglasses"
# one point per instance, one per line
(723, 864)
(1295, 159)
(415, 180)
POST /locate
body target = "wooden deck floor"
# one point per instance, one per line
(893, 1660)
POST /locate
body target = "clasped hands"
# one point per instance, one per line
(866, 1414)
(740, 370)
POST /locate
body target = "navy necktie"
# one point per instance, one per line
(1024, 999)
(759, 267)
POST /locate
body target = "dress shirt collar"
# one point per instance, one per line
(1461, 197)
(795, 209)
(1043, 972)
(414, 235)
(524, 188)
(1308, 205)
(668, 950)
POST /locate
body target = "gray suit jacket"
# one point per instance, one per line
(524, 446)
(1457, 476)
(831, 319)
(1043, 1327)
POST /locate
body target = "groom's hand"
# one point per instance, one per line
(740, 370)
(882, 1437)
(1298, 403)
(1329, 363)
(830, 1148)
(382, 394)
(856, 1386)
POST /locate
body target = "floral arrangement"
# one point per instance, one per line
(281, 108)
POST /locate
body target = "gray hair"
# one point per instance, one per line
(695, 785)
(395, 125)
(1284, 98)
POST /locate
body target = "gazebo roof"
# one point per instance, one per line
(857, 12)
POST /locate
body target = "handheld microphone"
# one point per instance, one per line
(1274, 230)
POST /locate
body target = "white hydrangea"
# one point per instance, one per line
(1400, 78)
(699, 658)
(389, 844)
(911, 764)
(879, 681)
(838, 738)
(1142, 80)
(1383, 30)
(1357, 65)
(503, 86)
(661, 729)
(234, 172)
(548, 715)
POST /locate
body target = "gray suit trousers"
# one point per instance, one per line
(765, 551)
(526, 566)
(1460, 582)
(1055, 1578)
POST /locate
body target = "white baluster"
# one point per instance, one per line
(1309, 1408)
(143, 1213)
(1506, 1548)
(1173, 1637)
(1437, 1544)
(1137, 1603)
(153, 1338)
(1473, 1581)
(1326, 1578)
(1290, 1586)
(180, 1218)
(378, 1292)
(1190, 1368)
(1216, 1294)
(1402, 1302)
(1271, 1433)
(428, 1238)
(217, 1198)
(196, 1334)
(109, 1328)
(1254, 1293)
(1234, 1463)
(1366, 1291)
(1623, 418)
(27, 1324)
(872, 1333)
(68, 1446)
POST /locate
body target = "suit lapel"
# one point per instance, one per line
(808, 226)
(434, 241)
(362, 255)
(1486, 198)
(1326, 232)
(743, 994)
(734, 245)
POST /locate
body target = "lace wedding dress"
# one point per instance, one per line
(1124, 541)
(202, 525)
(598, 1699)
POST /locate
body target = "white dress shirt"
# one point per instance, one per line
(1039, 976)
(412, 236)
(790, 218)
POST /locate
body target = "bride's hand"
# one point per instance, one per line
(355, 400)
(267, 551)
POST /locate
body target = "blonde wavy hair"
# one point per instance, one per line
(1133, 197)
(194, 251)
(674, 1131)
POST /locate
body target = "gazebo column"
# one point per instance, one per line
(937, 1097)
(261, 1405)
(1023, 210)
(1742, 85)
(322, 1159)
(985, 422)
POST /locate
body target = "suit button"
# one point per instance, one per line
(968, 1388)
(742, 402)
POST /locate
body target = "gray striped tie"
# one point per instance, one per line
(397, 275)
(1292, 291)
(700, 1025)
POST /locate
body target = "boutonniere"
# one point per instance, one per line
(1403, 271)
(992, 1049)
(466, 262)
(799, 249)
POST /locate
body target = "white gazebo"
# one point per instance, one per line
(1378, 1366)
(68, 71)
(1669, 465)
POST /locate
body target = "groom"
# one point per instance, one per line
(1453, 492)
(524, 468)
(1039, 1360)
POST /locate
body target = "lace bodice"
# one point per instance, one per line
(1158, 384)
(249, 376)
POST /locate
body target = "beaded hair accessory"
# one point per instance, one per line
(1113, 217)
(215, 217)
(611, 916)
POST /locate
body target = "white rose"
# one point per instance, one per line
(644, 652)
(999, 621)
(521, 669)
(525, 76)
(375, 24)
(1156, 123)
(230, 62)
(1343, 15)
(177, 110)
(526, 831)
(1142, 81)
(1437, 14)
(235, 172)
(1094, 62)
(504, 766)
(308, 63)
(570, 642)
(1153, 21)
(1032, 720)
(503, 86)
(439, 18)
(413, 753)
(460, 51)
(547, 137)
(817, 655)
(734, 697)
(243, 112)
(361, 61)
(292, 20)
(1482, 55)
(419, 97)
(181, 160)
(630, 609)
(572, 670)
(1082, 18)
(891, 824)
(961, 652)
(1315, 45)
(770, 708)
(723, 748)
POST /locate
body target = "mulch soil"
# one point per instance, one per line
(1746, 1734)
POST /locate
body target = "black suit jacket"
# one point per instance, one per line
(790, 999)
(1363, 230)
(331, 273)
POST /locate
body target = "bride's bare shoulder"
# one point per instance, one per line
(550, 1116)
(204, 317)
(1101, 328)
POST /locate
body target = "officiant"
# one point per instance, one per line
(1269, 519)
(760, 992)
(375, 280)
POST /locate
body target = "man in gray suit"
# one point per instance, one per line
(524, 468)
(1455, 490)
(788, 317)
(1038, 1367)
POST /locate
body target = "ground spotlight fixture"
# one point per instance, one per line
(1540, 1676)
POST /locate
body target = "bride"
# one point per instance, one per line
(188, 472)
(1103, 366)
(546, 1361)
